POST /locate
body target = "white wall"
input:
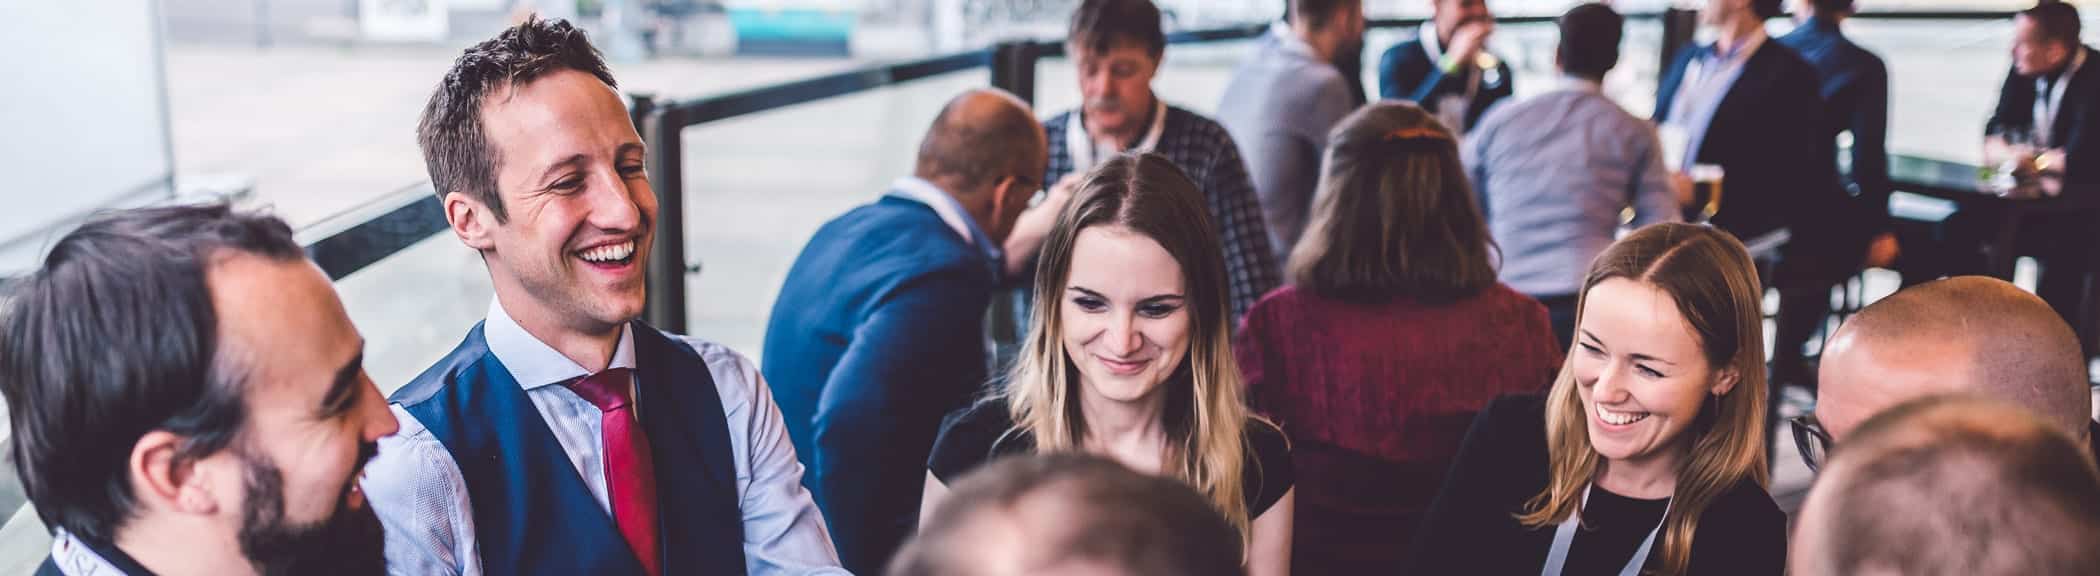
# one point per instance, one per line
(83, 123)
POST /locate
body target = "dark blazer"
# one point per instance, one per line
(1855, 90)
(877, 335)
(2077, 129)
(1405, 72)
(1472, 526)
(1780, 158)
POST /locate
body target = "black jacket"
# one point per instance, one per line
(2077, 129)
(1780, 160)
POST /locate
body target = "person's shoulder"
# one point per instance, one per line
(736, 377)
(1515, 416)
(1265, 439)
(1056, 122)
(1405, 51)
(972, 436)
(1747, 504)
(1194, 123)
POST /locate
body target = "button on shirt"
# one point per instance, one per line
(1553, 173)
(421, 497)
(1707, 81)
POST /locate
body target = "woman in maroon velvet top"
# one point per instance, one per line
(1390, 336)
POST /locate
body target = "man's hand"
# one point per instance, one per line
(1883, 251)
(1468, 40)
(1034, 225)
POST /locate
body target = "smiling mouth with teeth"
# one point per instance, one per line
(1617, 418)
(609, 254)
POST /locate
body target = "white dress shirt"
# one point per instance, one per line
(421, 497)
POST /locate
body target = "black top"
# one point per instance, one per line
(970, 437)
(1503, 463)
(108, 552)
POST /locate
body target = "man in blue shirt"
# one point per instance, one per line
(1554, 171)
(1855, 90)
(878, 332)
(1282, 101)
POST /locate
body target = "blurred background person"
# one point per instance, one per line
(1130, 357)
(187, 397)
(1117, 46)
(1555, 171)
(1752, 109)
(1446, 68)
(878, 332)
(1391, 334)
(1282, 101)
(2048, 119)
(1953, 486)
(1969, 334)
(1069, 513)
(1652, 438)
(1855, 90)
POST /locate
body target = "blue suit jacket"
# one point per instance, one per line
(1855, 90)
(1781, 161)
(877, 334)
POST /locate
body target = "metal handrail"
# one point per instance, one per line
(1012, 67)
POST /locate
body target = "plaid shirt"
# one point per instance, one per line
(1206, 153)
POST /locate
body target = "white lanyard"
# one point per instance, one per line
(2047, 106)
(1081, 145)
(1564, 538)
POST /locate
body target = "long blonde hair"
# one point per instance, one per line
(1204, 417)
(1711, 277)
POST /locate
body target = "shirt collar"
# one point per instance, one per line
(1579, 84)
(1430, 43)
(535, 364)
(946, 206)
(87, 557)
(1742, 51)
(1080, 144)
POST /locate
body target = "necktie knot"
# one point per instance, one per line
(608, 389)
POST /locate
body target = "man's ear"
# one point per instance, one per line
(162, 480)
(471, 220)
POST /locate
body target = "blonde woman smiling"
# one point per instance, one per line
(1647, 457)
(1130, 357)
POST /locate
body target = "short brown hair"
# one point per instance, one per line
(455, 145)
(1103, 516)
(1394, 214)
(1956, 485)
(2057, 21)
(1098, 25)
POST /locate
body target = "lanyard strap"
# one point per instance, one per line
(1564, 538)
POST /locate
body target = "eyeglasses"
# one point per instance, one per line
(1812, 441)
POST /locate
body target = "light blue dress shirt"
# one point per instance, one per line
(1553, 173)
(421, 497)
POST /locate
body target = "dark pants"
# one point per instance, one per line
(1805, 274)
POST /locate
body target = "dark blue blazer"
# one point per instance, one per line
(1770, 137)
(1855, 90)
(1406, 73)
(2077, 128)
(535, 514)
(877, 334)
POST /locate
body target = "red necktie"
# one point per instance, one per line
(630, 471)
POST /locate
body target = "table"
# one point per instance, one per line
(1961, 184)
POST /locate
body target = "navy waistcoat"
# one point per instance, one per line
(535, 515)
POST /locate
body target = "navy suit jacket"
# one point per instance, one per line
(1855, 94)
(877, 334)
(2077, 128)
(1780, 158)
(1406, 73)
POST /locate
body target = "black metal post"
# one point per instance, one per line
(1013, 68)
(661, 127)
(1678, 26)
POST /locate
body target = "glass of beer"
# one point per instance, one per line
(1706, 193)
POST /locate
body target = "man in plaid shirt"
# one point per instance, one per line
(1117, 45)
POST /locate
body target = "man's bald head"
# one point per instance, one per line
(981, 137)
(1952, 485)
(1968, 334)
